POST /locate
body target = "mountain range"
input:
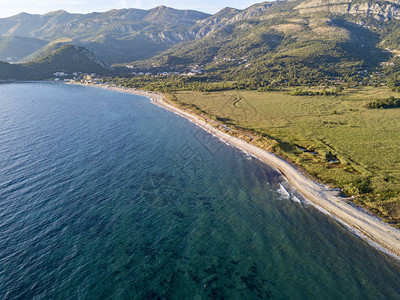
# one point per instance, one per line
(116, 35)
(306, 38)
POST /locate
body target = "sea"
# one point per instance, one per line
(104, 195)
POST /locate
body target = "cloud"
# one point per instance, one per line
(131, 4)
(123, 4)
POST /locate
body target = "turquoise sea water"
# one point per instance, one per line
(104, 195)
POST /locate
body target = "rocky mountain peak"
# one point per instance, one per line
(379, 10)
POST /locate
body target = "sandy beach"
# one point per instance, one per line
(365, 225)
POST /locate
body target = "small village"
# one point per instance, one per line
(77, 77)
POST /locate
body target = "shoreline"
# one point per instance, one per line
(359, 222)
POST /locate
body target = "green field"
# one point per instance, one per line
(365, 141)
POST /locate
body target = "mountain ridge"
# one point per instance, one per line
(155, 30)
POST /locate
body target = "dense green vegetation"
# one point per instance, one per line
(300, 92)
(167, 84)
(212, 82)
(390, 102)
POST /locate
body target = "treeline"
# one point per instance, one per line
(300, 92)
(167, 84)
(391, 102)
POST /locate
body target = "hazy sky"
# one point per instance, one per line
(13, 7)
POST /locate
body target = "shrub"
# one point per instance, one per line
(390, 102)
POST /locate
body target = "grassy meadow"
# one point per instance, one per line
(336, 139)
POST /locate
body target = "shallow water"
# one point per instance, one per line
(104, 195)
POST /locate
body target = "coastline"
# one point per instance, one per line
(368, 227)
